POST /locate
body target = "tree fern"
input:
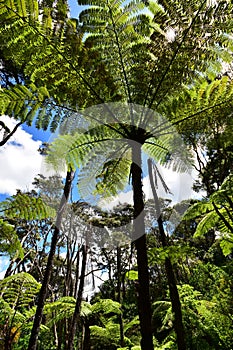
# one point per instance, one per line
(64, 308)
(103, 151)
(129, 42)
(120, 51)
(17, 297)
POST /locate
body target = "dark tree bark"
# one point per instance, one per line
(76, 314)
(174, 295)
(44, 288)
(122, 343)
(144, 303)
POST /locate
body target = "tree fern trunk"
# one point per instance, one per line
(144, 304)
(76, 314)
(44, 288)
(174, 295)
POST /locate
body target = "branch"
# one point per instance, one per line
(4, 141)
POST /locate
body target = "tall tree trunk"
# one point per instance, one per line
(76, 314)
(174, 295)
(44, 288)
(144, 304)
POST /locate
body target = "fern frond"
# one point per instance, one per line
(60, 309)
(22, 102)
(206, 224)
(9, 241)
(22, 8)
(198, 209)
(24, 206)
(106, 306)
(203, 99)
(19, 290)
(216, 214)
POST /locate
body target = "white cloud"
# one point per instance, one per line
(20, 161)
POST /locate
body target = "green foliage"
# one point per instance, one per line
(133, 28)
(216, 213)
(107, 337)
(17, 297)
(27, 207)
(19, 290)
(22, 102)
(132, 275)
(64, 308)
(106, 306)
(9, 242)
(205, 98)
(202, 319)
(60, 309)
(175, 252)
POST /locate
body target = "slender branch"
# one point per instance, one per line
(4, 141)
(171, 124)
(94, 118)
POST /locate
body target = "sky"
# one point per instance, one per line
(19, 159)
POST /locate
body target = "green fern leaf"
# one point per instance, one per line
(206, 224)
(19, 290)
(24, 206)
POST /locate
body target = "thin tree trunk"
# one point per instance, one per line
(174, 295)
(44, 288)
(76, 314)
(77, 273)
(119, 296)
(144, 304)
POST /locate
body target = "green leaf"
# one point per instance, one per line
(206, 224)
(24, 206)
(132, 275)
(9, 241)
(198, 209)
(19, 290)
